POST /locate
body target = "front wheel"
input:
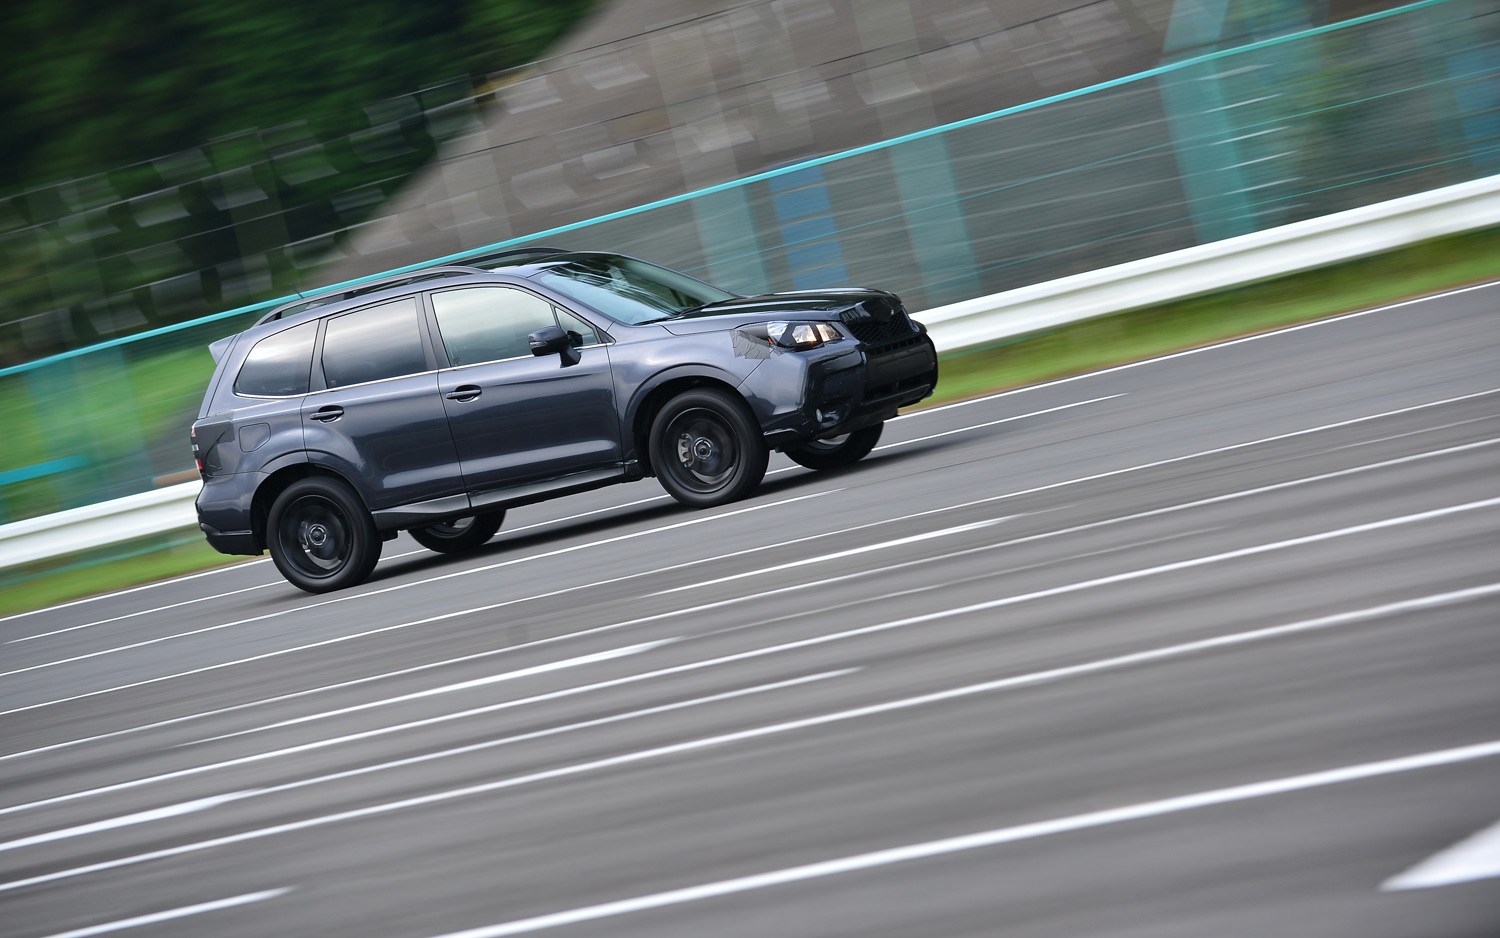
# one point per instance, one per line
(836, 452)
(460, 534)
(321, 537)
(707, 449)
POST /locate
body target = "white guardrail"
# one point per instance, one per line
(1205, 268)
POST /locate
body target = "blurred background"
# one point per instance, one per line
(172, 168)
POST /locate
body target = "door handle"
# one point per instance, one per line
(327, 414)
(464, 392)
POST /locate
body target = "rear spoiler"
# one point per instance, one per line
(219, 348)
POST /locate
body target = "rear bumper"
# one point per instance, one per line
(230, 542)
(804, 395)
(224, 514)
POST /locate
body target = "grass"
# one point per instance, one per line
(1110, 340)
(119, 566)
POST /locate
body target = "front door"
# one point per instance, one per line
(520, 419)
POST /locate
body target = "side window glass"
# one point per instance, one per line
(279, 364)
(580, 332)
(370, 344)
(486, 324)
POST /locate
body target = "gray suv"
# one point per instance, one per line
(433, 401)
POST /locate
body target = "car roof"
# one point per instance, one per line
(479, 264)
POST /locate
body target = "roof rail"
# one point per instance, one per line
(480, 260)
(467, 266)
(369, 286)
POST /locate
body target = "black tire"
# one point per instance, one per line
(321, 537)
(837, 452)
(707, 449)
(459, 534)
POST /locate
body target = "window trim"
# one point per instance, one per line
(314, 365)
(319, 382)
(444, 360)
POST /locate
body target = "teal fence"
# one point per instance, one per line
(1282, 129)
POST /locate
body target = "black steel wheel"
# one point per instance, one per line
(321, 537)
(838, 451)
(707, 449)
(459, 534)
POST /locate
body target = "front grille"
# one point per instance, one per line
(869, 329)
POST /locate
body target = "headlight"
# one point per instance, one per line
(802, 335)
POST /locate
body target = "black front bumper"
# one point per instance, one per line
(802, 396)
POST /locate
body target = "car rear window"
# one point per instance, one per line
(279, 364)
(370, 344)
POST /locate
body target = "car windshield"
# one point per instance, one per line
(629, 290)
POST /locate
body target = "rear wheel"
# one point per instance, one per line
(460, 534)
(837, 452)
(321, 537)
(707, 449)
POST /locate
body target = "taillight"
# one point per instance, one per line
(196, 458)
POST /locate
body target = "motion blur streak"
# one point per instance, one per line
(991, 838)
(1266, 559)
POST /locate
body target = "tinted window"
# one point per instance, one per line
(579, 331)
(486, 324)
(379, 342)
(279, 364)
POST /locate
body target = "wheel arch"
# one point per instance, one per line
(655, 392)
(278, 480)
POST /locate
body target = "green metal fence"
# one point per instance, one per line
(1282, 129)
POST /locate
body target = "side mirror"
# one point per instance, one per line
(551, 340)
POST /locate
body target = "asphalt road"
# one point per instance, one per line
(1204, 646)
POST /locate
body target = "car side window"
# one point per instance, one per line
(485, 324)
(370, 344)
(278, 365)
(579, 332)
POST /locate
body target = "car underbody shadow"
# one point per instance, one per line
(612, 521)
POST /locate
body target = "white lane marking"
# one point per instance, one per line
(1330, 320)
(989, 838)
(616, 625)
(1074, 529)
(1054, 674)
(852, 552)
(1475, 857)
(540, 524)
(131, 615)
(140, 817)
(403, 698)
(171, 914)
(787, 469)
(1187, 648)
(743, 735)
(433, 579)
(176, 605)
(1213, 346)
(1041, 488)
(991, 423)
(556, 730)
(948, 613)
(711, 634)
(460, 686)
(437, 618)
(490, 743)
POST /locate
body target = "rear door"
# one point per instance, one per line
(375, 414)
(519, 418)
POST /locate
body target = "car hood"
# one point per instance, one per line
(805, 305)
